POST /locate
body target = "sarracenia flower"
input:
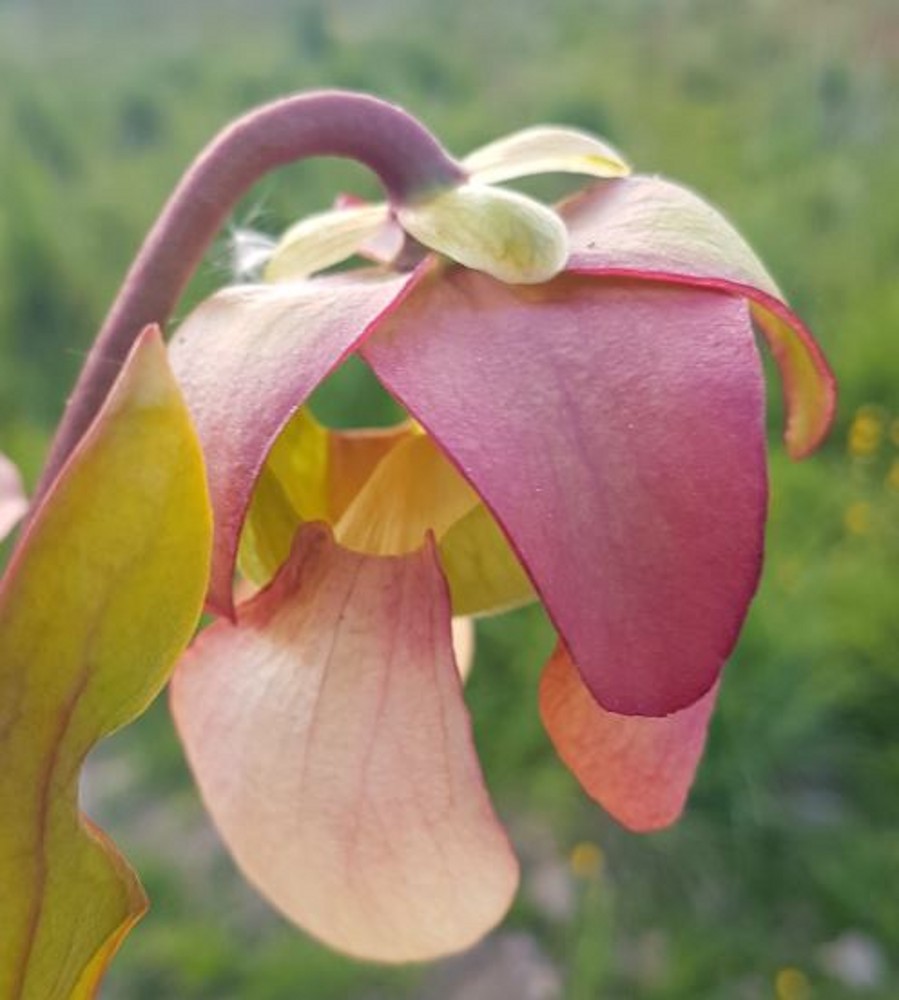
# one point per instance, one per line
(586, 429)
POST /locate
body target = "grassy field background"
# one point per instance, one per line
(781, 881)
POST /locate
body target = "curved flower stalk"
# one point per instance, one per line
(587, 430)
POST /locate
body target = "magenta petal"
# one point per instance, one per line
(638, 769)
(650, 228)
(247, 359)
(328, 735)
(615, 429)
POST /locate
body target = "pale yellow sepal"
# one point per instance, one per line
(502, 233)
(483, 573)
(544, 149)
(323, 240)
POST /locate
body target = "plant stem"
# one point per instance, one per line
(406, 157)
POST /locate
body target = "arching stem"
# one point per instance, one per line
(406, 157)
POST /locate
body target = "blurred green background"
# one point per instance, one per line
(781, 881)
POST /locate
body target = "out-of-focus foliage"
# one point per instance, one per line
(781, 879)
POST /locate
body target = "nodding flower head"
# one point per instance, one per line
(585, 429)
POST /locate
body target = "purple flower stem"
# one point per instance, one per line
(406, 157)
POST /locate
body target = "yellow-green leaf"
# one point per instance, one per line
(100, 599)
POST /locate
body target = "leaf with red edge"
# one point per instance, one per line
(101, 596)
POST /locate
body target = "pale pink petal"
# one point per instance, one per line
(13, 503)
(247, 359)
(650, 228)
(638, 769)
(328, 735)
(616, 431)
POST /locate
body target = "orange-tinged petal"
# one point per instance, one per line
(638, 769)
(650, 228)
(12, 497)
(101, 596)
(330, 742)
(352, 458)
(311, 474)
(413, 491)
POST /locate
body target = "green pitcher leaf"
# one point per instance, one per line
(101, 597)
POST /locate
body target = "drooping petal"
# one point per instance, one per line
(327, 733)
(100, 598)
(650, 228)
(13, 503)
(638, 769)
(544, 149)
(247, 359)
(615, 429)
(502, 233)
(323, 240)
